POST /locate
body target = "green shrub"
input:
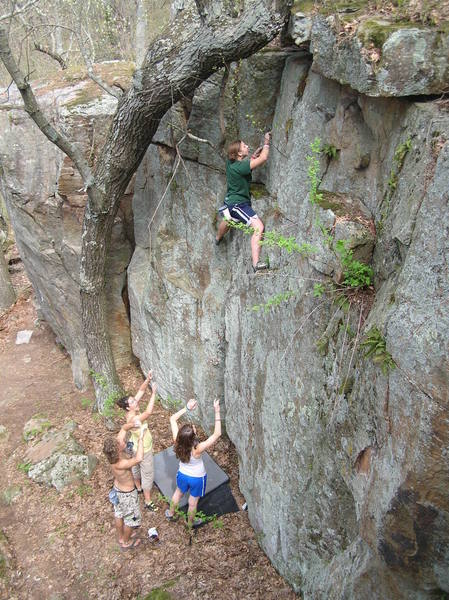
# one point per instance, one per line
(355, 273)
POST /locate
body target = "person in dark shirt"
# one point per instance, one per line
(237, 207)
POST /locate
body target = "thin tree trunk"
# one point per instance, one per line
(142, 16)
(7, 295)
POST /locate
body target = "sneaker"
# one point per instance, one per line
(170, 517)
(261, 266)
(197, 522)
(151, 506)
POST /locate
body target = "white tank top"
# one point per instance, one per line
(194, 468)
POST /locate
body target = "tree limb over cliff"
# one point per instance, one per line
(174, 66)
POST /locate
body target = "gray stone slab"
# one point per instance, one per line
(166, 467)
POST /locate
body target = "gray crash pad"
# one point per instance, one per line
(218, 493)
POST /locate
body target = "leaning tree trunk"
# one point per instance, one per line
(7, 295)
(174, 66)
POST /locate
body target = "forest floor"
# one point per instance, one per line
(60, 546)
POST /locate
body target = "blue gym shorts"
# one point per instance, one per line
(196, 485)
(242, 213)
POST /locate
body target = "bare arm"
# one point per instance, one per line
(143, 387)
(214, 437)
(262, 156)
(149, 409)
(131, 424)
(191, 405)
(174, 422)
(127, 463)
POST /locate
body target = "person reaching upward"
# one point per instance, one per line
(144, 471)
(237, 205)
(191, 474)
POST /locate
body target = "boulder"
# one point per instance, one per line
(35, 427)
(410, 59)
(57, 459)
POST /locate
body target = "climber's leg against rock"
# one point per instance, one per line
(258, 227)
(223, 228)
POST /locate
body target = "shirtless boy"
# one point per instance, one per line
(126, 502)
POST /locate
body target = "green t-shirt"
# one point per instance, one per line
(238, 176)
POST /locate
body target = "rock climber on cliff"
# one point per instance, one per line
(237, 205)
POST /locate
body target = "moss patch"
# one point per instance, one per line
(303, 6)
(377, 31)
(332, 201)
(258, 190)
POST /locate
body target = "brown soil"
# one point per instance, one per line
(63, 545)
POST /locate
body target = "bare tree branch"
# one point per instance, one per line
(32, 108)
(8, 106)
(18, 11)
(198, 139)
(52, 55)
(117, 93)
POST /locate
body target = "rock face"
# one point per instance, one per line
(342, 458)
(409, 61)
(57, 459)
(336, 399)
(45, 202)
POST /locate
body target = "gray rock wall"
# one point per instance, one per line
(344, 466)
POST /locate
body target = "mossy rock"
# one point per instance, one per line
(35, 427)
(258, 190)
(303, 6)
(343, 205)
(376, 31)
(350, 7)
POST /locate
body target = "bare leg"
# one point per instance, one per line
(176, 498)
(127, 531)
(147, 477)
(129, 540)
(223, 228)
(138, 484)
(119, 527)
(255, 239)
(193, 503)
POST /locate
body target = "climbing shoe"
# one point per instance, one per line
(151, 506)
(218, 242)
(261, 266)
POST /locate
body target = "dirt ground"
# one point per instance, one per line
(62, 545)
